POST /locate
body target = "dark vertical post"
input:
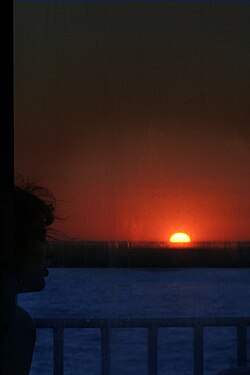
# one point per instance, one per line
(58, 349)
(106, 350)
(6, 187)
(198, 350)
(152, 350)
(241, 345)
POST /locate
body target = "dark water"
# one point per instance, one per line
(128, 293)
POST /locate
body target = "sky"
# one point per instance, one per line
(137, 116)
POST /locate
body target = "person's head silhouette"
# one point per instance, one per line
(34, 212)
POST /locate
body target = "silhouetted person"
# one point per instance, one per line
(34, 212)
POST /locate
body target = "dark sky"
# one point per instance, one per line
(138, 114)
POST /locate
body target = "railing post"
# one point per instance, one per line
(241, 345)
(198, 350)
(152, 350)
(152, 326)
(106, 350)
(58, 350)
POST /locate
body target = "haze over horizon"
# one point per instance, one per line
(138, 116)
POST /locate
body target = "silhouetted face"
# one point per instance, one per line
(34, 266)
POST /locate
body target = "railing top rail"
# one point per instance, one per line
(142, 322)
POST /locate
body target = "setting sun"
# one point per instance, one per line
(180, 238)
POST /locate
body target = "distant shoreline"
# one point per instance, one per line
(150, 254)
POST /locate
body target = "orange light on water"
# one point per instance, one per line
(180, 237)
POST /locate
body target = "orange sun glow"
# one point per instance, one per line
(179, 238)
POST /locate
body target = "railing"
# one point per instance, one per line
(152, 325)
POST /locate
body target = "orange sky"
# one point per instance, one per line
(138, 116)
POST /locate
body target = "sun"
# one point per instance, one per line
(180, 237)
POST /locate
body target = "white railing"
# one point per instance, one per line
(152, 325)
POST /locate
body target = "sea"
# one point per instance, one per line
(139, 293)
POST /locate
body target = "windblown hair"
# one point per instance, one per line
(34, 210)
